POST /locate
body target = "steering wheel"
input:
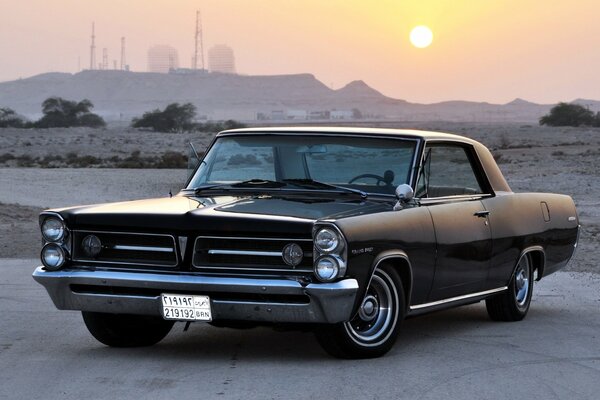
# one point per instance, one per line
(373, 176)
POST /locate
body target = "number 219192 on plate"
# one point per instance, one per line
(186, 307)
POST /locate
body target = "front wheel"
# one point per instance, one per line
(513, 304)
(122, 330)
(373, 330)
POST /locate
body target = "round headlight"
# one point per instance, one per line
(53, 256)
(53, 229)
(91, 245)
(328, 268)
(327, 240)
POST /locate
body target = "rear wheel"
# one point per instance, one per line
(513, 304)
(373, 330)
(123, 330)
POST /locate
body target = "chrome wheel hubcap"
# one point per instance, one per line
(368, 309)
(377, 315)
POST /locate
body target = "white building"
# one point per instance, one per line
(162, 58)
(221, 59)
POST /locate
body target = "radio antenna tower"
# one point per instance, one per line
(123, 62)
(198, 40)
(93, 49)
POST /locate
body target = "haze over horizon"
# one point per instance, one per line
(493, 51)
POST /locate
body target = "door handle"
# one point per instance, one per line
(482, 214)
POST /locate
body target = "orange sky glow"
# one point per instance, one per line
(483, 50)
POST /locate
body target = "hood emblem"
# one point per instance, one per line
(182, 245)
(292, 254)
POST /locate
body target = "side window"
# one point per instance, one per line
(447, 171)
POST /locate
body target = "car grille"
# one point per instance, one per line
(121, 248)
(249, 254)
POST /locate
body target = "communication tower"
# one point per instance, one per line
(93, 49)
(198, 40)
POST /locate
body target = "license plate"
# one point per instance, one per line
(182, 307)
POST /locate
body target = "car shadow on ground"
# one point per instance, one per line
(208, 343)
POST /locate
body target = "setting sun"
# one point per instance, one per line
(421, 36)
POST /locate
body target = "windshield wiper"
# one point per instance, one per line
(322, 185)
(250, 183)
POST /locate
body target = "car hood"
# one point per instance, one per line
(217, 213)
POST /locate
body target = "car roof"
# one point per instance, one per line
(405, 133)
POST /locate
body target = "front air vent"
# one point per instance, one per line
(123, 248)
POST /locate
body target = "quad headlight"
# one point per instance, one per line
(327, 240)
(329, 253)
(328, 268)
(56, 241)
(53, 256)
(53, 229)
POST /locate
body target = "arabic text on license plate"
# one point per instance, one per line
(183, 307)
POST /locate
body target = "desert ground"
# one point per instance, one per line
(457, 353)
(62, 167)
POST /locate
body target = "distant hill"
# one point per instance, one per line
(121, 95)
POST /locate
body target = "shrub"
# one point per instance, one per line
(174, 118)
(10, 119)
(566, 114)
(172, 159)
(61, 113)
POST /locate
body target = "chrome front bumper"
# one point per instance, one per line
(325, 302)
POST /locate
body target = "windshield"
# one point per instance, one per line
(373, 165)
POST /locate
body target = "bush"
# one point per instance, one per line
(61, 113)
(566, 114)
(172, 159)
(10, 119)
(174, 118)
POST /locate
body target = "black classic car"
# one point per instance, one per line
(312, 227)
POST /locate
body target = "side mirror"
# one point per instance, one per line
(404, 193)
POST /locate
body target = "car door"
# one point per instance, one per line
(452, 187)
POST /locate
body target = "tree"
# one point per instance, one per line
(10, 119)
(61, 113)
(174, 118)
(567, 114)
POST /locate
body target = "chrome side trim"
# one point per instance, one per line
(246, 253)
(458, 298)
(143, 248)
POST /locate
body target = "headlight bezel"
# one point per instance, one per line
(62, 242)
(337, 253)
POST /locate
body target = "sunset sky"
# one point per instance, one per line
(483, 50)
